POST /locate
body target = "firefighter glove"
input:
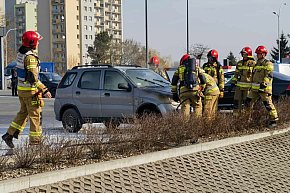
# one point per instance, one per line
(175, 97)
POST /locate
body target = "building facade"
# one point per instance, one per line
(69, 28)
(25, 19)
(20, 16)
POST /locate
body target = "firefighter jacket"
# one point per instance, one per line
(210, 86)
(263, 76)
(243, 74)
(216, 71)
(179, 76)
(27, 71)
(161, 72)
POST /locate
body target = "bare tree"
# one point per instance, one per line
(198, 50)
(133, 53)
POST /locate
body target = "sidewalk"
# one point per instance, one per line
(6, 92)
(254, 163)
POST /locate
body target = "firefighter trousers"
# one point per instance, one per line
(239, 99)
(190, 98)
(210, 105)
(254, 96)
(28, 107)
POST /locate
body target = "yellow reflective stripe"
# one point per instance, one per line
(16, 126)
(245, 68)
(269, 68)
(35, 134)
(31, 67)
(25, 88)
(208, 97)
(244, 84)
(37, 84)
(212, 90)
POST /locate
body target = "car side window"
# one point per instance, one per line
(112, 79)
(67, 80)
(42, 78)
(90, 80)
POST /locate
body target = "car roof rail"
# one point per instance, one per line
(124, 65)
(92, 65)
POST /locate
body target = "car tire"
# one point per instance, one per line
(148, 111)
(71, 121)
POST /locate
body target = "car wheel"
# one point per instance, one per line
(71, 121)
(148, 111)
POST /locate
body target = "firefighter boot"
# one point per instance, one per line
(272, 124)
(8, 140)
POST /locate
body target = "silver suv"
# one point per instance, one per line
(108, 94)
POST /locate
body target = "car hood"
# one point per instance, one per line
(160, 90)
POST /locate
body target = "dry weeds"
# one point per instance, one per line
(146, 134)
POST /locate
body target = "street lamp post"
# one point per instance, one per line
(146, 34)
(187, 30)
(278, 25)
(6, 46)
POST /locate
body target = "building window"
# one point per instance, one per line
(90, 9)
(86, 37)
(77, 17)
(86, 27)
(90, 18)
(78, 26)
(86, 8)
(85, 18)
(78, 36)
(77, 7)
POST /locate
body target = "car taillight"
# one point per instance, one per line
(288, 87)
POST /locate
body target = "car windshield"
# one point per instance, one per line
(146, 78)
(54, 77)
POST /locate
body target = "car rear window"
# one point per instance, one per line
(67, 80)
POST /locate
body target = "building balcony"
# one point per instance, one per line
(57, 31)
(57, 1)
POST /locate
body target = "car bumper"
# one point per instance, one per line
(57, 107)
(166, 108)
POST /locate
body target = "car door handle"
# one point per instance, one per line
(78, 92)
(107, 94)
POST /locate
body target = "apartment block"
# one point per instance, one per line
(69, 28)
(2, 13)
(108, 17)
(25, 19)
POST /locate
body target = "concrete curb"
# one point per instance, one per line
(60, 175)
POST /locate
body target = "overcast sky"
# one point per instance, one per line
(225, 25)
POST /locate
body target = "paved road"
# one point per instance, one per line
(258, 166)
(9, 106)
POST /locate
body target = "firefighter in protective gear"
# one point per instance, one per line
(215, 70)
(30, 90)
(262, 85)
(243, 78)
(154, 65)
(188, 96)
(211, 94)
